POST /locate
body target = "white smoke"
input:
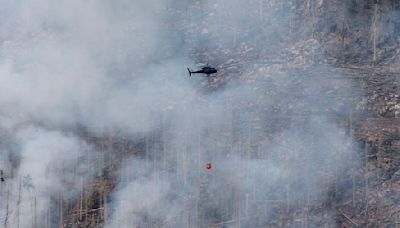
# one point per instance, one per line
(104, 66)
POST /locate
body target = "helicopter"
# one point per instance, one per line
(208, 70)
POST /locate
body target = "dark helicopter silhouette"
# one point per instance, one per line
(1, 175)
(205, 70)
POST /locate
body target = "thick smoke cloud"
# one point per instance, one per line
(72, 59)
(116, 66)
(65, 64)
(41, 164)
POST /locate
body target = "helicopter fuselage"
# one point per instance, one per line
(205, 70)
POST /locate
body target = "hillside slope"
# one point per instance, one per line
(102, 127)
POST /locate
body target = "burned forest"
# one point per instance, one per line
(101, 125)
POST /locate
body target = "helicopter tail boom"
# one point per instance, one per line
(190, 72)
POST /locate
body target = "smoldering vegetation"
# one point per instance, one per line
(265, 154)
(102, 127)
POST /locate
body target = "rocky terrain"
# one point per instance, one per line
(301, 124)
